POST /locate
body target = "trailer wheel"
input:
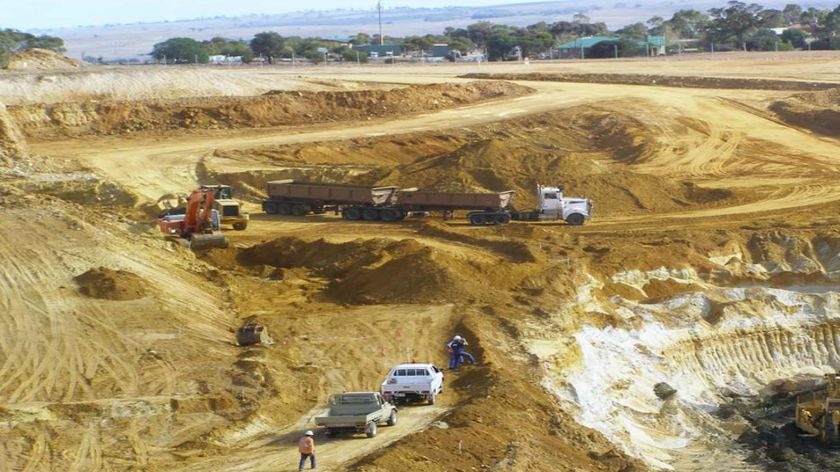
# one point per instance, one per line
(392, 420)
(351, 213)
(502, 219)
(575, 219)
(477, 219)
(299, 210)
(371, 429)
(270, 208)
(284, 209)
(370, 214)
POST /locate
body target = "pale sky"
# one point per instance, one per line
(30, 14)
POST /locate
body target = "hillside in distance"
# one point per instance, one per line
(126, 41)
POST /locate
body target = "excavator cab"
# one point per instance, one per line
(199, 224)
(818, 413)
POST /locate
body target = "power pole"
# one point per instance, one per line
(379, 8)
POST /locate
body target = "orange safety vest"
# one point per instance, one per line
(306, 445)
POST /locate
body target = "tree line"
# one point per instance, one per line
(14, 41)
(737, 25)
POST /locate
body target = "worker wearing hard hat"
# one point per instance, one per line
(306, 447)
(457, 354)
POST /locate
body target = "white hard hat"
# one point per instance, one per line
(309, 433)
(457, 338)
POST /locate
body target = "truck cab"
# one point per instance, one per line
(554, 206)
(229, 209)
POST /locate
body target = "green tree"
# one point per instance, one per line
(656, 25)
(688, 23)
(771, 18)
(734, 23)
(500, 43)
(636, 30)
(360, 39)
(479, 33)
(795, 37)
(269, 44)
(763, 40)
(180, 50)
(229, 47)
(791, 13)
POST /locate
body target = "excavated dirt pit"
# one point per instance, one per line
(711, 265)
(726, 350)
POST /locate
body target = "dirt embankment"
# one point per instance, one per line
(12, 142)
(662, 81)
(40, 59)
(594, 151)
(368, 271)
(275, 108)
(816, 111)
(505, 422)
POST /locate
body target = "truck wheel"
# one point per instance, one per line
(392, 420)
(575, 219)
(351, 213)
(432, 398)
(371, 430)
(477, 219)
(299, 210)
(502, 219)
(270, 208)
(240, 226)
(390, 215)
(284, 209)
(370, 214)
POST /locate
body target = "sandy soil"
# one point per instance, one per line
(715, 226)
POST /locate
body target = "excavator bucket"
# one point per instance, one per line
(208, 241)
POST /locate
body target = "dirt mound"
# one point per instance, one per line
(364, 271)
(662, 80)
(280, 108)
(816, 111)
(40, 59)
(111, 284)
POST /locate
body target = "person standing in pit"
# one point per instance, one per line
(306, 447)
(457, 353)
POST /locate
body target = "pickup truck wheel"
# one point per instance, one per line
(575, 219)
(392, 420)
(371, 430)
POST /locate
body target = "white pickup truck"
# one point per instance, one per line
(357, 412)
(415, 382)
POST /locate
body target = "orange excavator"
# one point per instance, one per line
(199, 223)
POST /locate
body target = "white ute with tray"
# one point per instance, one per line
(413, 382)
(357, 412)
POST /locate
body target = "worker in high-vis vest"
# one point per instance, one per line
(306, 447)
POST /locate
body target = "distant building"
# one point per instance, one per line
(222, 59)
(582, 47)
(440, 50)
(375, 50)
